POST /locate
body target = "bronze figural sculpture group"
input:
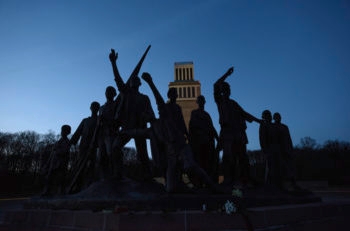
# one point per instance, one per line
(174, 150)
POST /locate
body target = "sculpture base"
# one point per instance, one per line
(132, 195)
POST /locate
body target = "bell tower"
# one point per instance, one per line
(187, 88)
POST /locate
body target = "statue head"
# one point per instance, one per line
(135, 82)
(225, 89)
(94, 107)
(266, 116)
(201, 101)
(277, 117)
(110, 92)
(65, 130)
(172, 94)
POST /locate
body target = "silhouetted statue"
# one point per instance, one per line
(174, 117)
(287, 165)
(202, 136)
(110, 161)
(266, 138)
(170, 129)
(134, 111)
(87, 157)
(233, 137)
(56, 177)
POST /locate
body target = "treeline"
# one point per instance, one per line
(327, 162)
(330, 161)
(25, 152)
(24, 158)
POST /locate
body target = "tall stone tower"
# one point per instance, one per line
(187, 88)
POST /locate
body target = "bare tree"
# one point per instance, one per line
(5, 140)
(308, 143)
(46, 144)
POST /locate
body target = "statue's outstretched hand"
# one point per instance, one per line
(147, 77)
(113, 56)
(230, 71)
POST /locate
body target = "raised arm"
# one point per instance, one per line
(219, 82)
(148, 79)
(77, 134)
(118, 79)
(247, 116)
(227, 74)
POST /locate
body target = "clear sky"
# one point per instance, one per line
(289, 56)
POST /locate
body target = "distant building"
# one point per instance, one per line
(187, 88)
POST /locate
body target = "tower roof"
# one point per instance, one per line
(183, 63)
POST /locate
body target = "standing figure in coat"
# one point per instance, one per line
(87, 149)
(58, 162)
(233, 137)
(267, 143)
(287, 162)
(110, 161)
(202, 136)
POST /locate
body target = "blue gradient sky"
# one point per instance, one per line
(289, 56)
